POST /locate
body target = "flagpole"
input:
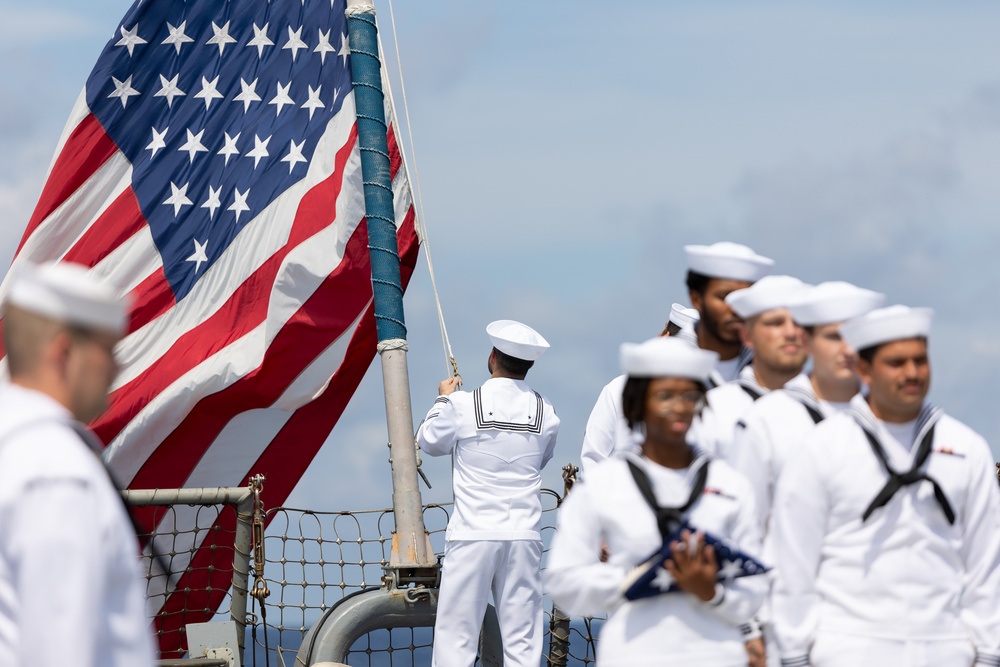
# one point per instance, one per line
(410, 545)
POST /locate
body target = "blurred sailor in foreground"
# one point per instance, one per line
(71, 590)
(502, 435)
(714, 272)
(669, 500)
(886, 521)
(607, 433)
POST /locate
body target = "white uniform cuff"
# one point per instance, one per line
(720, 595)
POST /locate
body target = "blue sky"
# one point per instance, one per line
(568, 150)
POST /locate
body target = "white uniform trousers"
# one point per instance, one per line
(840, 649)
(511, 569)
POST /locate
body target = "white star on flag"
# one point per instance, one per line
(662, 580)
(295, 42)
(199, 257)
(177, 36)
(222, 36)
(345, 47)
(313, 102)
(239, 202)
(230, 148)
(212, 203)
(248, 94)
(157, 143)
(282, 98)
(169, 89)
(259, 150)
(178, 198)
(193, 145)
(130, 38)
(294, 155)
(260, 39)
(324, 47)
(208, 91)
(124, 89)
(731, 569)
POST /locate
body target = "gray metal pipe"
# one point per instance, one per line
(330, 639)
(242, 548)
(410, 547)
(205, 496)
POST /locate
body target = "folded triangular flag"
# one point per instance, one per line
(651, 578)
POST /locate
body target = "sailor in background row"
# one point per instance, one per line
(501, 435)
(775, 424)
(71, 589)
(607, 433)
(886, 521)
(714, 272)
(772, 427)
(632, 503)
(779, 351)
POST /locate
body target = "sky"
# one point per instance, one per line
(566, 151)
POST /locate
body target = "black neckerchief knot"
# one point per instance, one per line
(898, 480)
(666, 517)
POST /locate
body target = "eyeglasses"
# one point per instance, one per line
(671, 400)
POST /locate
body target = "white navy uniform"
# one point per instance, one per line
(607, 431)
(71, 590)
(675, 628)
(502, 435)
(772, 428)
(905, 587)
(725, 406)
(729, 369)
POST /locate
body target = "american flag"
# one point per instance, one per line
(210, 170)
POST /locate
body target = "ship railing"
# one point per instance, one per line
(315, 560)
(185, 520)
(312, 561)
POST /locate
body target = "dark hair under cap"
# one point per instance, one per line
(512, 365)
(696, 282)
(634, 399)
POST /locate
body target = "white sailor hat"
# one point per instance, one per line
(832, 302)
(67, 293)
(766, 294)
(683, 317)
(730, 261)
(667, 357)
(887, 324)
(518, 340)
